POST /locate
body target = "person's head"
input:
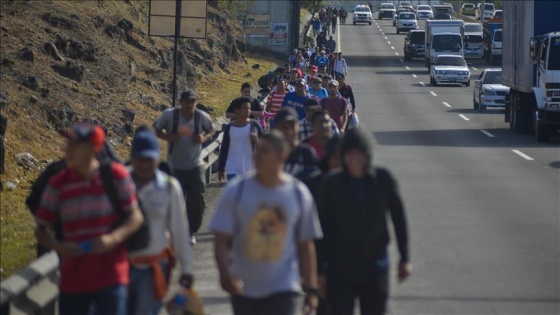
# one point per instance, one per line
(356, 152)
(332, 88)
(322, 53)
(294, 75)
(84, 142)
(145, 153)
(313, 70)
(281, 85)
(287, 68)
(339, 55)
(295, 52)
(187, 101)
(323, 70)
(316, 81)
(311, 106)
(242, 107)
(321, 124)
(341, 79)
(300, 57)
(331, 159)
(280, 70)
(300, 87)
(271, 153)
(330, 37)
(286, 121)
(246, 89)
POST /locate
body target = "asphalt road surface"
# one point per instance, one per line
(483, 203)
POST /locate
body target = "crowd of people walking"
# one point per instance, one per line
(303, 208)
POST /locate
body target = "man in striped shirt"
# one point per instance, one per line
(93, 258)
(275, 98)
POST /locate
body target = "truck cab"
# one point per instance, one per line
(492, 40)
(443, 38)
(545, 55)
(387, 10)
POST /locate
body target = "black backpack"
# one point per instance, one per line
(175, 126)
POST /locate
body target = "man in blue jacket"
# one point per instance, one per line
(297, 99)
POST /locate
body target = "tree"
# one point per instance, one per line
(312, 5)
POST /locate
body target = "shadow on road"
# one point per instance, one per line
(475, 299)
(491, 111)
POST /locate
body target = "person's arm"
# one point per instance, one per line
(344, 67)
(256, 108)
(268, 102)
(224, 150)
(230, 111)
(351, 97)
(344, 115)
(308, 268)
(160, 125)
(222, 247)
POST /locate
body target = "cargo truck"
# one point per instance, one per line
(443, 37)
(531, 66)
(492, 40)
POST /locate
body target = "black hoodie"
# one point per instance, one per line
(354, 224)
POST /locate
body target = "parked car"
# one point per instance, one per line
(406, 22)
(387, 10)
(414, 44)
(443, 16)
(362, 14)
(450, 69)
(424, 12)
(489, 91)
(467, 9)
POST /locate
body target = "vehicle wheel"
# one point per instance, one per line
(354, 23)
(398, 31)
(380, 18)
(481, 107)
(541, 131)
(468, 83)
(475, 104)
(407, 57)
(369, 23)
(433, 81)
(487, 55)
(520, 117)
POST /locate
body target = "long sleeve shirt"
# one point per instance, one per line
(164, 206)
(340, 66)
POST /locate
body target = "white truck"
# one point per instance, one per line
(531, 66)
(443, 37)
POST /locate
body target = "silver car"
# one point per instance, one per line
(450, 69)
(489, 91)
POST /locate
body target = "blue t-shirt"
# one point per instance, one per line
(321, 61)
(321, 94)
(296, 102)
(317, 24)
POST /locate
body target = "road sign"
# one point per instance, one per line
(192, 16)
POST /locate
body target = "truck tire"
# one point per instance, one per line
(521, 117)
(475, 104)
(541, 131)
(398, 31)
(433, 81)
(407, 57)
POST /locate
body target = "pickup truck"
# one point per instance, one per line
(414, 46)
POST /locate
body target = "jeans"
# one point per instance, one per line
(277, 304)
(193, 184)
(141, 297)
(109, 301)
(230, 176)
(372, 291)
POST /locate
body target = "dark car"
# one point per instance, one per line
(442, 16)
(414, 44)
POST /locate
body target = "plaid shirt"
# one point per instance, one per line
(305, 130)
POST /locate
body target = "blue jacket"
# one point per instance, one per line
(296, 102)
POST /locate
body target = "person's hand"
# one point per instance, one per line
(231, 284)
(257, 113)
(322, 281)
(186, 280)
(310, 304)
(198, 138)
(104, 244)
(254, 138)
(68, 249)
(222, 176)
(405, 270)
(174, 137)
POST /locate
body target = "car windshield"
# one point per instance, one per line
(473, 38)
(473, 28)
(424, 8)
(387, 6)
(407, 16)
(447, 42)
(417, 37)
(554, 54)
(362, 9)
(441, 16)
(493, 77)
(451, 61)
(498, 14)
(468, 5)
(498, 36)
(489, 7)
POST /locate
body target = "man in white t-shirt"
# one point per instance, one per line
(265, 226)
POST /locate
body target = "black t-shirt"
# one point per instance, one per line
(255, 107)
(302, 161)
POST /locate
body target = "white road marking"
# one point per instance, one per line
(396, 53)
(446, 104)
(523, 155)
(464, 117)
(474, 68)
(433, 93)
(401, 60)
(414, 75)
(392, 47)
(487, 133)
(388, 42)
(338, 41)
(422, 83)
(385, 37)
(407, 68)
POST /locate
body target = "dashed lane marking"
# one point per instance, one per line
(446, 104)
(433, 93)
(401, 60)
(414, 75)
(523, 155)
(392, 47)
(407, 68)
(422, 83)
(396, 53)
(385, 37)
(388, 42)
(487, 133)
(474, 68)
(464, 117)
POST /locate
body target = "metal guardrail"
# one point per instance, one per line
(465, 18)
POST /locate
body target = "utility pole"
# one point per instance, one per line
(175, 49)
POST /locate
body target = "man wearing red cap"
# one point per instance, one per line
(94, 268)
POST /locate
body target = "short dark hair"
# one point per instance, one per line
(277, 140)
(236, 103)
(246, 85)
(318, 114)
(144, 128)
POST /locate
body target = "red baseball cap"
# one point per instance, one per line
(313, 68)
(86, 132)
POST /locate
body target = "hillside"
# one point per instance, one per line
(63, 61)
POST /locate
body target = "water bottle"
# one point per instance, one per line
(177, 304)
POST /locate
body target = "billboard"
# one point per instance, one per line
(193, 18)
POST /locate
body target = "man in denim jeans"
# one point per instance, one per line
(185, 129)
(93, 258)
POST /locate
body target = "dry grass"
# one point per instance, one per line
(106, 91)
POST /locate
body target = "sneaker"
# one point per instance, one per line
(193, 240)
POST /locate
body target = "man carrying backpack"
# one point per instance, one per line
(185, 129)
(163, 205)
(94, 267)
(336, 105)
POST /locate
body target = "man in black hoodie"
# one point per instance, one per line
(354, 202)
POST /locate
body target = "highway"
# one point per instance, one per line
(483, 203)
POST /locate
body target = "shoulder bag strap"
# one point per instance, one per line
(174, 127)
(106, 173)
